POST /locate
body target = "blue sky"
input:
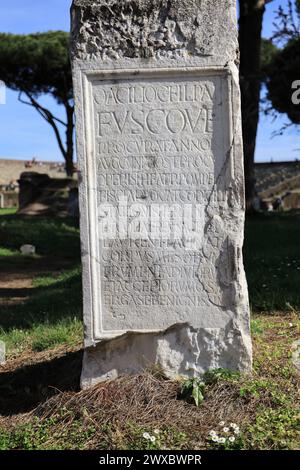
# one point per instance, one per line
(24, 134)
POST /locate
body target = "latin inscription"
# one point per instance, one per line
(159, 147)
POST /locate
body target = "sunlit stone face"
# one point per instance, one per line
(159, 145)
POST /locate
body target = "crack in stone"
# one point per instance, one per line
(207, 304)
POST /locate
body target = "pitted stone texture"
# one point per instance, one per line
(158, 121)
(114, 29)
(180, 351)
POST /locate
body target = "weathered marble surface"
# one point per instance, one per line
(153, 29)
(159, 128)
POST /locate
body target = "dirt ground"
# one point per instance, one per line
(16, 280)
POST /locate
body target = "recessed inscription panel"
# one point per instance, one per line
(161, 187)
(160, 150)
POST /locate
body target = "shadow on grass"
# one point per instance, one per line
(51, 237)
(15, 293)
(57, 245)
(24, 388)
(32, 263)
(47, 305)
(271, 254)
(272, 260)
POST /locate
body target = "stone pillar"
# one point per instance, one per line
(161, 186)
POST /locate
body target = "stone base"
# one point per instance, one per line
(180, 351)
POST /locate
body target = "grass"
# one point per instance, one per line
(43, 336)
(50, 317)
(272, 261)
(67, 332)
(115, 415)
(57, 238)
(8, 211)
(6, 252)
(266, 405)
(52, 314)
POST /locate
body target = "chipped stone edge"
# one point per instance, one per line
(241, 311)
(104, 346)
(180, 351)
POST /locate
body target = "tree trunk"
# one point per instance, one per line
(69, 141)
(250, 26)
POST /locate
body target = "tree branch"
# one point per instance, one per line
(287, 27)
(48, 116)
(37, 105)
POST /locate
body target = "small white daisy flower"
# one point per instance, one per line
(232, 439)
(221, 423)
(146, 435)
(152, 439)
(156, 431)
(233, 425)
(212, 433)
(215, 438)
(222, 440)
(237, 431)
(226, 429)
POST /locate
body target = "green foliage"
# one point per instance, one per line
(268, 53)
(271, 255)
(165, 438)
(53, 237)
(256, 327)
(37, 63)
(50, 317)
(7, 211)
(259, 388)
(51, 433)
(283, 70)
(275, 429)
(6, 252)
(193, 390)
(215, 375)
(52, 314)
(226, 437)
(284, 67)
(65, 278)
(38, 435)
(265, 405)
(47, 336)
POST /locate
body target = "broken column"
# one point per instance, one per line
(161, 187)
